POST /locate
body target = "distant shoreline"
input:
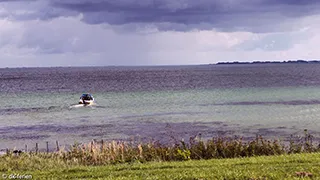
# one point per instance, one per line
(168, 65)
(272, 62)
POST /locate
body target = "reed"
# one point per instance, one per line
(102, 153)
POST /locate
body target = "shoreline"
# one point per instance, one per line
(307, 143)
(271, 62)
(165, 133)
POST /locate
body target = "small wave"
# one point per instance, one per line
(95, 105)
(82, 106)
(248, 103)
(161, 114)
(10, 111)
(76, 106)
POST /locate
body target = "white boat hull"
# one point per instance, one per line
(86, 102)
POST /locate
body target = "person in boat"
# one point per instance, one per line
(86, 97)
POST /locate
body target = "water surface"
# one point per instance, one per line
(38, 104)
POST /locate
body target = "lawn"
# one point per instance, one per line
(259, 167)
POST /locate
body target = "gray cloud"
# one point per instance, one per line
(178, 15)
(16, 0)
(229, 15)
(273, 42)
(68, 32)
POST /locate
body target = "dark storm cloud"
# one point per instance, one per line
(229, 15)
(289, 2)
(16, 0)
(188, 7)
(182, 15)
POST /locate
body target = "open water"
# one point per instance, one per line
(145, 103)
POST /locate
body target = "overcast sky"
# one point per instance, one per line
(156, 32)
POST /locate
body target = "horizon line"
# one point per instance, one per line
(168, 65)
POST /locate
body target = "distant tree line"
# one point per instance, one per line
(272, 62)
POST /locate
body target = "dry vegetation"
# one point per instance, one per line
(102, 153)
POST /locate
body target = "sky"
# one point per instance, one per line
(37, 33)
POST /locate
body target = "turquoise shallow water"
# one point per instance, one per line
(144, 103)
(272, 112)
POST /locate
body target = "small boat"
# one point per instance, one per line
(86, 99)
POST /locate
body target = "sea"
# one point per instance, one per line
(158, 103)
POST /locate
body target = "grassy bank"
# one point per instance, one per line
(104, 153)
(216, 158)
(262, 167)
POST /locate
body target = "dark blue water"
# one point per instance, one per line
(124, 79)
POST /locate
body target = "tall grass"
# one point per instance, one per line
(101, 153)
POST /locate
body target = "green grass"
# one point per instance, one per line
(259, 167)
(216, 158)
